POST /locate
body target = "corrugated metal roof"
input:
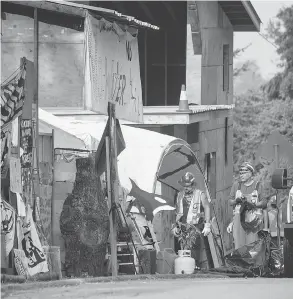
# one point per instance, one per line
(104, 12)
(206, 108)
(65, 8)
(194, 109)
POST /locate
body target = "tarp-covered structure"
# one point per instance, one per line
(148, 156)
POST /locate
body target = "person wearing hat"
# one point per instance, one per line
(249, 214)
(192, 207)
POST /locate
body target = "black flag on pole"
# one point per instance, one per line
(100, 159)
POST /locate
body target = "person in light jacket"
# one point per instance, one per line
(249, 208)
(193, 207)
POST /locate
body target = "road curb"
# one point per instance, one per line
(78, 281)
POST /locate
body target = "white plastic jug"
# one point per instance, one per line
(184, 264)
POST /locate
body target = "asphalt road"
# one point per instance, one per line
(167, 289)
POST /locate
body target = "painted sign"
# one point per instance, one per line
(28, 238)
(20, 263)
(5, 150)
(15, 175)
(112, 70)
(26, 158)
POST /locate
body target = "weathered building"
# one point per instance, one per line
(194, 47)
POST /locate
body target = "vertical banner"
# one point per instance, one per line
(5, 150)
(29, 241)
(112, 69)
(26, 149)
(12, 96)
(7, 225)
(26, 143)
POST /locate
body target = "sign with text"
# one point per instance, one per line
(26, 143)
(15, 175)
(112, 72)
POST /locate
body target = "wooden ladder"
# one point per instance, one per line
(135, 262)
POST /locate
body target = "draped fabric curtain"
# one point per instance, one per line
(112, 70)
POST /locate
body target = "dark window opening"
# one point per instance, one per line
(226, 140)
(210, 172)
(163, 60)
(225, 67)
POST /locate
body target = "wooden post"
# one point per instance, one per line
(35, 112)
(276, 150)
(35, 120)
(112, 184)
(166, 69)
(145, 68)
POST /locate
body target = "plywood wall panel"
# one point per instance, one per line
(208, 14)
(209, 85)
(221, 168)
(224, 216)
(213, 39)
(231, 87)
(226, 22)
(164, 220)
(45, 210)
(193, 67)
(47, 149)
(61, 191)
(180, 131)
(61, 60)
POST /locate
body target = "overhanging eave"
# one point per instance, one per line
(241, 15)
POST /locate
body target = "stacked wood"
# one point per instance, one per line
(84, 223)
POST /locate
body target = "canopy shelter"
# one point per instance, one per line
(149, 157)
(149, 168)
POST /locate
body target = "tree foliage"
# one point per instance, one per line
(281, 32)
(258, 113)
(255, 118)
(237, 71)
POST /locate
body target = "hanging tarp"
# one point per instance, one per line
(12, 96)
(112, 71)
(64, 136)
(7, 225)
(148, 155)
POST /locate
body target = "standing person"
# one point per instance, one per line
(250, 215)
(192, 207)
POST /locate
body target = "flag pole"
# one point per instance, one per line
(112, 182)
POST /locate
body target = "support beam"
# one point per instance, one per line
(35, 123)
(54, 7)
(112, 183)
(146, 11)
(166, 68)
(170, 10)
